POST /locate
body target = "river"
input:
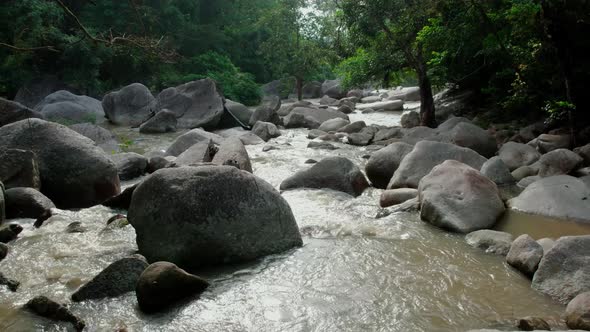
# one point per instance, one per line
(354, 272)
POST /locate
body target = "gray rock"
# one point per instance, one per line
(397, 196)
(417, 134)
(425, 156)
(546, 243)
(10, 283)
(470, 136)
(185, 141)
(250, 139)
(241, 112)
(321, 146)
(199, 153)
(50, 309)
(116, 279)
(19, 168)
(525, 254)
(524, 183)
(26, 203)
(91, 175)
(38, 88)
(164, 284)
(564, 271)
(388, 133)
(459, 198)
(266, 131)
(123, 200)
(233, 153)
(67, 108)
(286, 109)
(130, 165)
(584, 152)
(561, 197)
(362, 138)
(130, 106)
(312, 90)
(103, 138)
(334, 124)
(525, 172)
(3, 251)
(158, 162)
(265, 113)
(493, 242)
(346, 109)
(315, 133)
(355, 93)
(496, 170)
(333, 89)
(516, 155)
(451, 123)
(533, 324)
(304, 117)
(336, 173)
(163, 122)
(557, 162)
(547, 143)
(406, 94)
(75, 227)
(211, 215)
(327, 100)
(410, 119)
(11, 112)
(9, 232)
(196, 104)
(371, 99)
(354, 127)
(577, 313)
(388, 105)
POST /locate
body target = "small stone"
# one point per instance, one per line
(321, 146)
(533, 324)
(10, 233)
(42, 218)
(493, 242)
(75, 227)
(311, 161)
(11, 284)
(3, 251)
(47, 308)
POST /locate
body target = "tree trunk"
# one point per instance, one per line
(427, 114)
(299, 88)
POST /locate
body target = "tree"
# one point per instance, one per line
(396, 24)
(291, 48)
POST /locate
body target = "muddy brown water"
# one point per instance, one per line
(354, 272)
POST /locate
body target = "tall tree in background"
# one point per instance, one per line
(398, 23)
(291, 48)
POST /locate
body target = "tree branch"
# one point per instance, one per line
(29, 49)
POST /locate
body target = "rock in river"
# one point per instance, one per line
(210, 215)
(67, 108)
(385, 162)
(195, 104)
(336, 173)
(233, 153)
(525, 254)
(425, 156)
(564, 271)
(19, 168)
(75, 173)
(163, 284)
(116, 279)
(50, 309)
(492, 242)
(185, 141)
(130, 106)
(459, 198)
(577, 313)
(130, 165)
(26, 203)
(163, 122)
(105, 139)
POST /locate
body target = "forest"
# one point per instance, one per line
(523, 59)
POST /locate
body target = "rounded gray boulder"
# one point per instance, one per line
(26, 203)
(210, 215)
(130, 106)
(525, 254)
(383, 163)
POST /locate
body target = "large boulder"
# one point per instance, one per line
(525, 254)
(104, 138)
(163, 284)
(492, 242)
(34, 91)
(564, 271)
(410, 119)
(458, 198)
(562, 197)
(516, 155)
(583, 151)
(75, 173)
(233, 153)
(311, 118)
(362, 138)
(11, 111)
(425, 156)
(185, 141)
(385, 162)
(388, 105)
(266, 131)
(558, 162)
(354, 127)
(547, 143)
(211, 215)
(116, 279)
(333, 89)
(267, 112)
(496, 170)
(130, 106)
(67, 108)
(19, 168)
(334, 124)
(199, 153)
(130, 165)
(418, 134)
(470, 136)
(577, 313)
(235, 115)
(336, 173)
(26, 203)
(406, 94)
(163, 122)
(196, 104)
